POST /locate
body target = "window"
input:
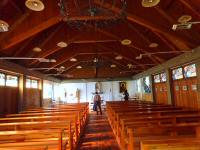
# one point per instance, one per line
(34, 84)
(157, 78)
(190, 71)
(47, 90)
(31, 83)
(2, 79)
(177, 73)
(11, 80)
(28, 83)
(163, 77)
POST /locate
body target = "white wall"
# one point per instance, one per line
(110, 91)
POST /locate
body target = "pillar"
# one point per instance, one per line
(169, 85)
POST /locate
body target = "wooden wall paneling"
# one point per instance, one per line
(192, 93)
(32, 98)
(160, 93)
(186, 96)
(8, 100)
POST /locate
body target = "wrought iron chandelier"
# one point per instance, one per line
(92, 13)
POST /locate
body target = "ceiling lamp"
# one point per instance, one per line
(37, 49)
(150, 3)
(126, 42)
(119, 57)
(153, 45)
(35, 5)
(73, 59)
(4, 26)
(184, 18)
(79, 67)
(113, 66)
(62, 44)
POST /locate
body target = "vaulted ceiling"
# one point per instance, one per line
(95, 40)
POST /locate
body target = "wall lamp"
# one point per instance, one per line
(169, 52)
(28, 58)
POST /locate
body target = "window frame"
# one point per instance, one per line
(185, 72)
(6, 75)
(31, 83)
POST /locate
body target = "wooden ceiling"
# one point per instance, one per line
(87, 41)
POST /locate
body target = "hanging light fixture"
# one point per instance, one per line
(184, 18)
(153, 45)
(113, 66)
(73, 59)
(126, 42)
(37, 49)
(35, 5)
(79, 67)
(150, 3)
(4, 26)
(62, 44)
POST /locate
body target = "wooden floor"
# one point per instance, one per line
(98, 134)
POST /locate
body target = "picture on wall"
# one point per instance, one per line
(190, 71)
(157, 78)
(122, 87)
(177, 73)
(163, 77)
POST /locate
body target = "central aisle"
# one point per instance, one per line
(98, 134)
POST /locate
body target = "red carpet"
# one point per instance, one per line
(98, 134)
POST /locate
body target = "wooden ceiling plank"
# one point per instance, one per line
(22, 48)
(172, 21)
(171, 46)
(13, 40)
(16, 6)
(152, 26)
(63, 59)
(46, 41)
(131, 46)
(190, 7)
(18, 20)
(93, 41)
(117, 52)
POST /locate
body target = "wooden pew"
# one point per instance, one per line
(170, 144)
(54, 138)
(56, 115)
(151, 115)
(135, 132)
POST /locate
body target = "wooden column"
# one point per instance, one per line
(169, 86)
(41, 92)
(22, 88)
(198, 81)
(152, 89)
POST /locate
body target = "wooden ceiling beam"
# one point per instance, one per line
(32, 30)
(54, 49)
(93, 41)
(47, 41)
(13, 3)
(190, 7)
(117, 52)
(64, 58)
(177, 40)
(22, 48)
(172, 21)
(131, 46)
